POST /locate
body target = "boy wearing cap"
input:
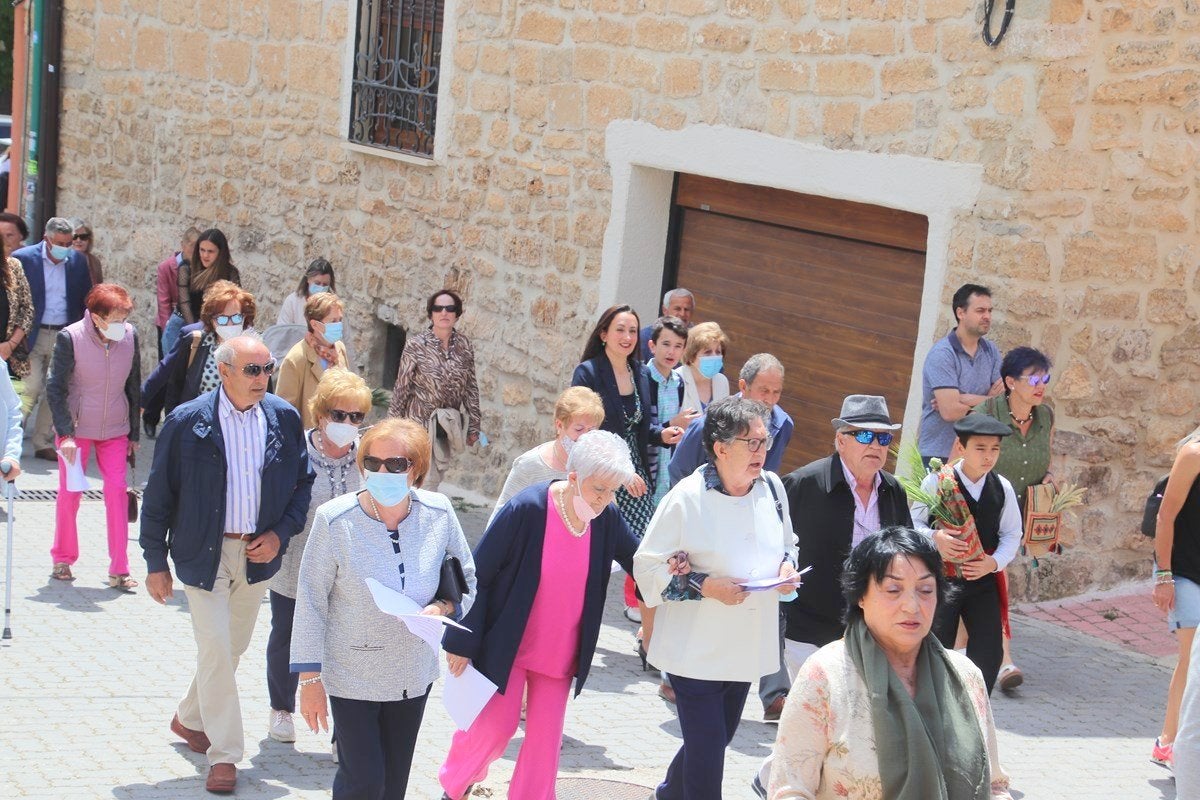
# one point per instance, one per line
(993, 506)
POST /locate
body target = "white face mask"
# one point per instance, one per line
(340, 434)
(567, 444)
(227, 332)
(114, 331)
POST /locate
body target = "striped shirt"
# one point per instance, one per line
(245, 434)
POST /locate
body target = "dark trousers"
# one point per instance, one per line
(375, 746)
(709, 712)
(281, 681)
(158, 341)
(977, 603)
(774, 686)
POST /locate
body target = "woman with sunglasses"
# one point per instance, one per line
(319, 350)
(340, 403)
(82, 241)
(93, 392)
(374, 672)
(190, 369)
(436, 384)
(1024, 456)
(212, 263)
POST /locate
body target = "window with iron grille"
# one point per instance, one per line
(397, 61)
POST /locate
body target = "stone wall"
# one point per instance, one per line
(1084, 121)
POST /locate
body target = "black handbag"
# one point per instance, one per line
(130, 492)
(1153, 503)
(452, 583)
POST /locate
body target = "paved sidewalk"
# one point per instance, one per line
(92, 677)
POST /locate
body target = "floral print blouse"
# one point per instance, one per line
(825, 748)
(433, 377)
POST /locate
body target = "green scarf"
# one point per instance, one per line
(929, 746)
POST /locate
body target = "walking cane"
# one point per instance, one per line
(5, 468)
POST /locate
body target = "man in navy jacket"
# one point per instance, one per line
(59, 281)
(230, 485)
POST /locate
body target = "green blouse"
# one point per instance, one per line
(1024, 460)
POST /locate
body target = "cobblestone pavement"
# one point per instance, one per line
(91, 678)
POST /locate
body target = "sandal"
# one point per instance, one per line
(62, 572)
(1010, 677)
(122, 583)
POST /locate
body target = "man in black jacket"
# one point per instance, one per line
(837, 502)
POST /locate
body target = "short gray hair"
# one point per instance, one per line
(672, 292)
(730, 417)
(601, 454)
(224, 352)
(759, 362)
(59, 225)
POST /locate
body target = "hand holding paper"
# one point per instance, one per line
(763, 584)
(428, 627)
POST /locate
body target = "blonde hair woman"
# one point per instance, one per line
(340, 404)
(376, 673)
(703, 360)
(320, 349)
(577, 411)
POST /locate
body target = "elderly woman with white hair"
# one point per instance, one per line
(543, 571)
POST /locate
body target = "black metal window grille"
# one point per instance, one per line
(397, 60)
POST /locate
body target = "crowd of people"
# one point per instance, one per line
(265, 480)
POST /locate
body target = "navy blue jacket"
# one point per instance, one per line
(183, 507)
(508, 568)
(690, 453)
(597, 374)
(173, 381)
(79, 283)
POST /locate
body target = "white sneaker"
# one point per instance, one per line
(281, 728)
(633, 614)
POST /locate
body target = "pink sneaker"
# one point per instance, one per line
(1163, 755)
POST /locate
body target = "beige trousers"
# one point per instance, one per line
(222, 621)
(35, 389)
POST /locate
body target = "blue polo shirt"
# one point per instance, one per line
(949, 367)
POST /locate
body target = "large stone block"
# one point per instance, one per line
(841, 78)
(1113, 256)
(606, 103)
(1175, 88)
(682, 77)
(891, 117)
(874, 39)
(784, 74)
(540, 26)
(231, 61)
(726, 38)
(114, 43)
(909, 75)
(664, 35)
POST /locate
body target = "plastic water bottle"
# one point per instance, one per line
(483, 440)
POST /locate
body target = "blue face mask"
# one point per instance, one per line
(710, 365)
(317, 288)
(333, 332)
(388, 488)
(58, 252)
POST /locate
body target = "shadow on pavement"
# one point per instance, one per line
(70, 596)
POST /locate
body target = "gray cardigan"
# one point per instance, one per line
(361, 652)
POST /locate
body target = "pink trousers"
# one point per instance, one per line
(473, 751)
(110, 458)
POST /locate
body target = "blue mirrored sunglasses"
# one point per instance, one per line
(865, 437)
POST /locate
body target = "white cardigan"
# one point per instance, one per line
(691, 398)
(725, 537)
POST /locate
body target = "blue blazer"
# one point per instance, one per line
(173, 382)
(183, 507)
(508, 568)
(79, 283)
(597, 374)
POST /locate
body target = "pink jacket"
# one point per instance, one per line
(167, 288)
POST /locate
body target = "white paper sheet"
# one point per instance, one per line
(763, 584)
(76, 480)
(428, 628)
(466, 695)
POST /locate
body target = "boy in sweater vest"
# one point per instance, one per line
(993, 506)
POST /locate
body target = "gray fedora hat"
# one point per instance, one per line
(866, 411)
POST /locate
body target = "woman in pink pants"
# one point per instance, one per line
(94, 394)
(542, 569)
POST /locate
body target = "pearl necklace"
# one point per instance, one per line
(562, 512)
(379, 516)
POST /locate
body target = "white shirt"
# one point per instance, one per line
(866, 516)
(55, 278)
(245, 434)
(1010, 516)
(691, 395)
(725, 537)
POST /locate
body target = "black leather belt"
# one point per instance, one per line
(52, 327)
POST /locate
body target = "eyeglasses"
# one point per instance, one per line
(82, 237)
(1034, 380)
(452, 309)
(341, 416)
(254, 370)
(229, 319)
(395, 464)
(754, 445)
(865, 437)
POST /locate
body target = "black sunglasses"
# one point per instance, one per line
(453, 309)
(865, 437)
(254, 370)
(82, 237)
(341, 416)
(395, 464)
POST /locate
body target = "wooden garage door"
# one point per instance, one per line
(833, 289)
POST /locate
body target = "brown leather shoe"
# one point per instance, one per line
(773, 712)
(197, 742)
(222, 779)
(46, 454)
